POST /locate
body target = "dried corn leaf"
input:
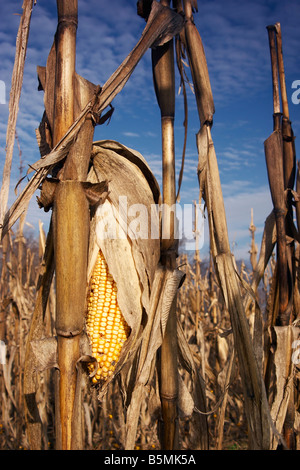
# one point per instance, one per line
(37, 332)
(46, 76)
(266, 250)
(42, 168)
(163, 23)
(164, 290)
(197, 60)
(155, 333)
(44, 353)
(186, 404)
(284, 375)
(15, 93)
(256, 405)
(199, 428)
(202, 145)
(7, 375)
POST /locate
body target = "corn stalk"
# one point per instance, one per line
(281, 165)
(71, 123)
(15, 94)
(70, 233)
(274, 160)
(164, 81)
(256, 405)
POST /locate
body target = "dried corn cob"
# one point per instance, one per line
(105, 324)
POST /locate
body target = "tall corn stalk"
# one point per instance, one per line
(281, 166)
(15, 94)
(70, 194)
(69, 231)
(256, 405)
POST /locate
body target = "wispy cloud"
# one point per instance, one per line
(130, 134)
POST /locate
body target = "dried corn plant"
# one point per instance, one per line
(284, 305)
(74, 195)
(19, 274)
(129, 346)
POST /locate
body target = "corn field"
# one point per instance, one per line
(205, 322)
(127, 343)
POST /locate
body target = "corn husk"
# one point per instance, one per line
(134, 264)
(132, 261)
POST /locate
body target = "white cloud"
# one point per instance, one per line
(236, 43)
(130, 134)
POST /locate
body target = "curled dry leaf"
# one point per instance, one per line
(284, 376)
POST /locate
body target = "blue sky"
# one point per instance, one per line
(236, 44)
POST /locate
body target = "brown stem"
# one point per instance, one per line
(15, 93)
(37, 331)
(169, 383)
(67, 353)
(199, 70)
(71, 232)
(279, 171)
(65, 67)
(71, 247)
(274, 161)
(289, 160)
(285, 106)
(164, 82)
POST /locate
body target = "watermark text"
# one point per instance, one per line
(155, 221)
(296, 93)
(2, 92)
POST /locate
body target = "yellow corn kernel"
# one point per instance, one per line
(106, 327)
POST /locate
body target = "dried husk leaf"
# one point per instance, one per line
(131, 179)
(202, 145)
(44, 352)
(197, 393)
(197, 60)
(134, 157)
(119, 256)
(131, 260)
